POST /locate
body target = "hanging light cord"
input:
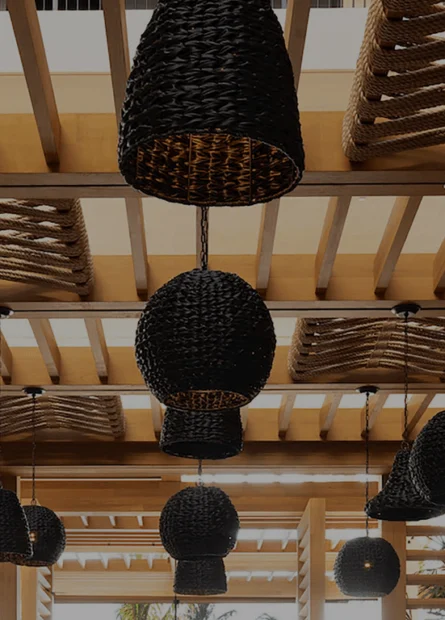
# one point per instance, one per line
(34, 448)
(367, 459)
(175, 607)
(1, 343)
(406, 382)
(204, 238)
(200, 482)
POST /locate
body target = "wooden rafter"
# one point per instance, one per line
(328, 412)
(27, 32)
(136, 227)
(295, 30)
(330, 240)
(99, 349)
(244, 417)
(117, 41)
(6, 360)
(285, 413)
(266, 241)
(439, 270)
(417, 406)
(49, 350)
(395, 235)
(156, 415)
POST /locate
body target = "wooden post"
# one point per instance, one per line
(37, 598)
(9, 576)
(394, 605)
(311, 580)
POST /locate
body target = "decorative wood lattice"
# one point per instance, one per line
(398, 95)
(45, 242)
(85, 414)
(329, 346)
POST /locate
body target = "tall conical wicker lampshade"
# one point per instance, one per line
(47, 535)
(14, 530)
(211, 115)
(202, 435)
(205, 342)
(198, 527)
(427, 462)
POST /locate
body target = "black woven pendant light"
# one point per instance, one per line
(205, 341)
(14, 530)
(427, 460)
(198, 527)
(399, 499)
(367, 567)
(211, 114)
(202, 435)
(47, 532)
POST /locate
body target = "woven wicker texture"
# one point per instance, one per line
(367, 568)
(47, 535)
(84, 414)
(202, 435)
(14, 530)
(399, 499)
(205, 341)
(329, 346)
(206, 577)
(199, 522)
(427, 462)
(397, 99)
(45, 242)
(211, 116)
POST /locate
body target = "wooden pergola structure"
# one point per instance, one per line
(110, 490)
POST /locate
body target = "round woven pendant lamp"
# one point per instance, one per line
(367, 568)
(427, 460)
(199, 525)
(211, 114)
(205, 342)
(399, 500)
(201, 435)
(47, 532)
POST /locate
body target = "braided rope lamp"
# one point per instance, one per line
(367, 567)
(211, 113)
(399, 499)
(206, 340)
(47, 532)
(14, 530)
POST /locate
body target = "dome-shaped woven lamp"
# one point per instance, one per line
(399, 499)
(14, 530)
(205, 342)
(427, 460)
(199, 526)
(47, 532)
(367, 568)
(202, 435)
(211, 114)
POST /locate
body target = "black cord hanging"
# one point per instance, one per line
(204, 254)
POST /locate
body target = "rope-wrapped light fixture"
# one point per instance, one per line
(206, 340)
(211, 113)
(202, 434)
(399, 499)
(199, 527)
(47, 532)
(367, 567)
(14, 530)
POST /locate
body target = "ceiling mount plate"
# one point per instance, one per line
(5, 312)
(33, 391)
(368, 389)
(407, 309)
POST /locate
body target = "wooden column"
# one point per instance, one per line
(9, 576)
(394, 605)
(311, 580)
(37, 598)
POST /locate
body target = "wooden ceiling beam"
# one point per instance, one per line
(328, 412)
(156, 415)
(266, 240)
(99, 348)
(333, 226)
(6, 360)
(295, 31)
(417, 406)
(118, 52)
(136, 228)
(25, 23)
(50, 352)
(285, 413)
(396, 232)
(439, 270)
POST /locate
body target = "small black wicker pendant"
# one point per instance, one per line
(199, 527)
(205, 342)
(14, 531)
(202, 435)
(210, 118)
(47, 535)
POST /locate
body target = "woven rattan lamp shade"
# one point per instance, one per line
(399, 499)
(205, 342)
(427, 462)
(14, 530)
(45, 242)
(47, 535)
(367, 568)
(199, 525)
(202, 435)
(211, 117)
